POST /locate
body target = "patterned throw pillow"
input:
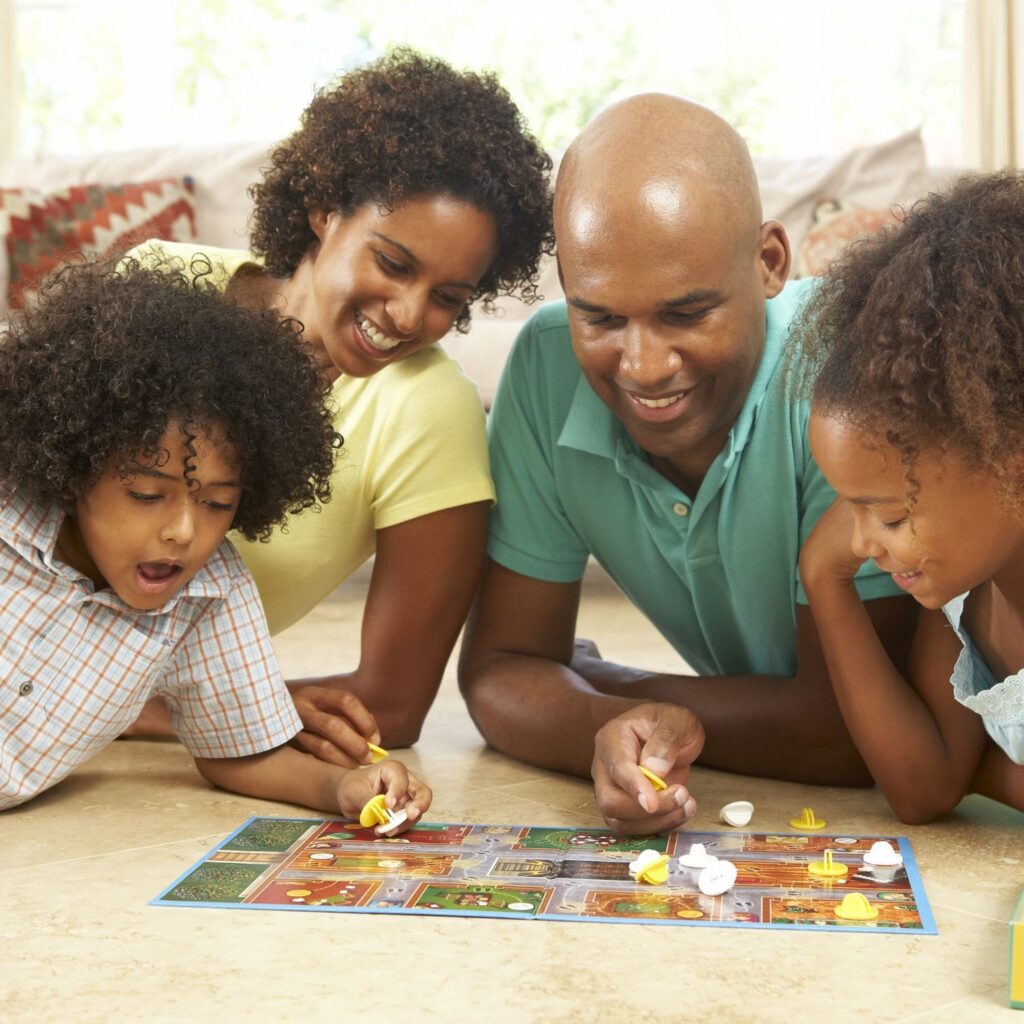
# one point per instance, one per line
(836, 225)
(39, 231)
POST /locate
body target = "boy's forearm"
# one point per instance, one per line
(283, 774)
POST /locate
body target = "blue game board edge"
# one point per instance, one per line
(928, 926)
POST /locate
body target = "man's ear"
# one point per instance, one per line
(773, 257)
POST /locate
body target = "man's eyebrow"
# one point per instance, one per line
(695, 298)
(586, 307)
(133, 469)
(413, 258)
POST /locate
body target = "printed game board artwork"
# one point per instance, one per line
(553, 874)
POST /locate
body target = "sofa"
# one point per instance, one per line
(99, 202)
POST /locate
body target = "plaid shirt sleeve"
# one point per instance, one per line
(224, 687)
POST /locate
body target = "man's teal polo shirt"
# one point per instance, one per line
(716, 575)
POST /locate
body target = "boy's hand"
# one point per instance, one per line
(336, 725)
(666, 740)
(403, 791)
(827, 557)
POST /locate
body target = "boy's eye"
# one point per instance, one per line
(220, 506)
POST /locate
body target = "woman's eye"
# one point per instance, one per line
(389, 264)
(140, 496)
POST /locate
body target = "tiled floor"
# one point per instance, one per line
(80, 944)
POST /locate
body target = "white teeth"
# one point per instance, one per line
(658, 403)
(375, 337)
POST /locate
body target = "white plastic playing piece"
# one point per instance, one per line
(717, 878)
(698, 857)
(883, 855)
(395, 819)
(738, 813)
(520, 906)
(645, 859)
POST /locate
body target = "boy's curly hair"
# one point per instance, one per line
(917, 334)
(404, 126)
(113, 353)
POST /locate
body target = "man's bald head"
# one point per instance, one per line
(651, 159)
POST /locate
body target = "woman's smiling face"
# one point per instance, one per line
(385, 284)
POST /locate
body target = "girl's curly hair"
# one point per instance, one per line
(409, 125)
(917, 335)
(113, 353)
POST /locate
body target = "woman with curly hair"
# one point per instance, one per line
(409, 192)
(130, 443)
(917, 340)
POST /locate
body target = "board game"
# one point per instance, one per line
(545, 873)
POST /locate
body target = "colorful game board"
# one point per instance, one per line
(553, 874)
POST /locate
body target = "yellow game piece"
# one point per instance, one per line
(855, 907)
(827, 868)
(657, 783)
(650, 867)
(374, 812)
(379, 753)
(299, 892)
(689, 915)
(807, 822)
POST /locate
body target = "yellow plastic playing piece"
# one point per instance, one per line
(374, 813)
(827, 868)
(657, 783)
(855, 907)
(656, 873)
(807, 822)
(299, 892)
(689, 915)
(379, 753)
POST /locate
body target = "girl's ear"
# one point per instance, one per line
(318, 223)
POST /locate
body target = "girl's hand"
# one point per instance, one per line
(826, 557)
(403, 791)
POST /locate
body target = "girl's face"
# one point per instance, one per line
(381, 285)
(958, 534)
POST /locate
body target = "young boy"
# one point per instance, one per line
(141, 417)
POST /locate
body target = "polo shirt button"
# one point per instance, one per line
(26, 688)
(680, 509)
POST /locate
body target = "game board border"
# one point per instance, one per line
(928, 924)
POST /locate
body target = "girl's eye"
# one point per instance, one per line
(895, 524)
(448, 300)
(140, 496)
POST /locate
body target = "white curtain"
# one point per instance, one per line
(8, 81)
(994, 84)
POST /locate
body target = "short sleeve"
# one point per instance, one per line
(430, 451)
(530, 532)
(224, 687)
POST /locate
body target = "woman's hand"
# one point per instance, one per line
(401, 789)
(827, 557)
(666, 740)
(336, 723)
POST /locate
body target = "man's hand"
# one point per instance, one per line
(666, 740)
(336, 724)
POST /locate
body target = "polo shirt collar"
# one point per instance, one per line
(592, 427)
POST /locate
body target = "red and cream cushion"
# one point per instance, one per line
(837, 224)
(38, 231)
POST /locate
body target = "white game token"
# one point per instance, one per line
(321, 856)
(395, 819)
(738, 813)
(883, 855)
(520, 906)
(717, 878)
(698, 857)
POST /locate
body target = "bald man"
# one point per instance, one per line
(647, 421)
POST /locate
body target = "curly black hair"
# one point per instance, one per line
(917, 334)
(111, 354)
(409, 125)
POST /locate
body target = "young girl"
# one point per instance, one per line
(917, 338)
(132, 438)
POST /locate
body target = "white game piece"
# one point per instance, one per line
(395, 819)
(520, 906)
(645, 859)
(321, 856)
(738, 813)
(698, 857)
(717, 878)
(883, 855)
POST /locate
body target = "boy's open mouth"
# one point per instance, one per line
(156, 576)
